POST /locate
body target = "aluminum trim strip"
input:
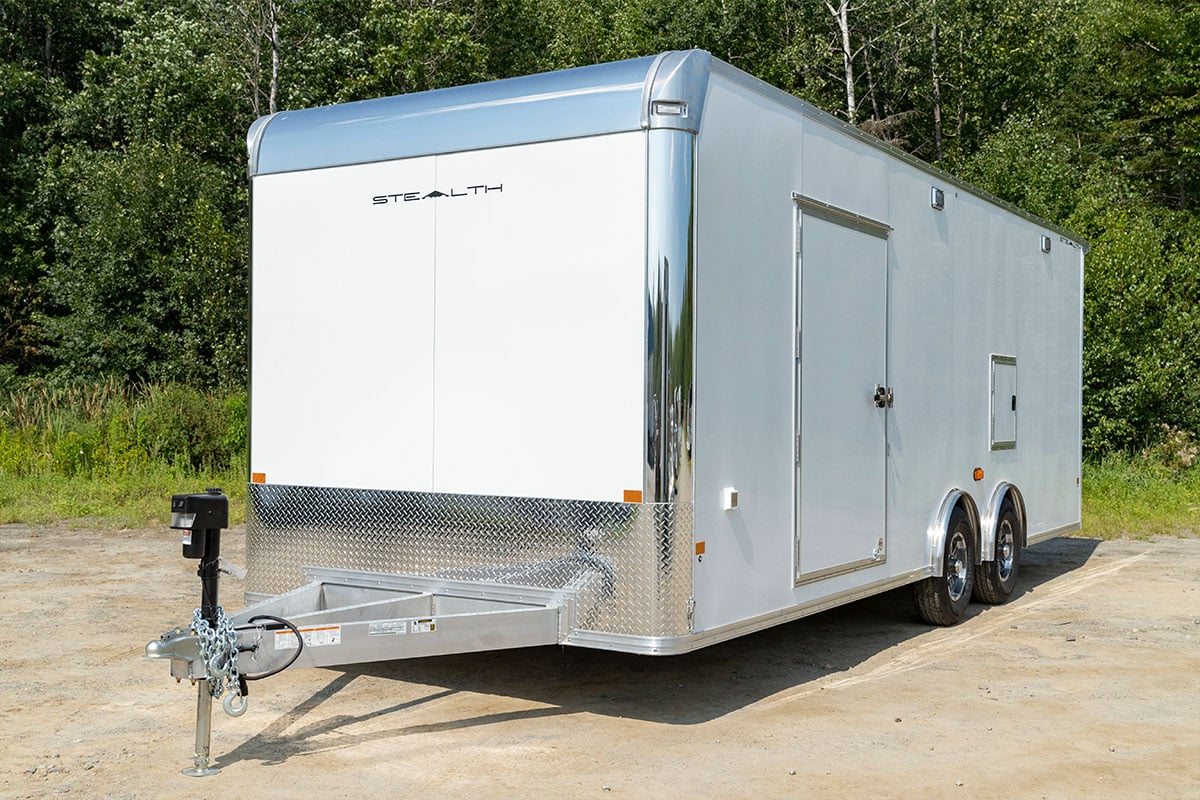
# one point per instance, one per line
(670, 324)
(585, 101)
(1052, 533)
(648, 87)
(254, 141)
(678, 645)
(840, 569)
(841, 216)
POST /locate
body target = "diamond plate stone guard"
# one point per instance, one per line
(629, 564)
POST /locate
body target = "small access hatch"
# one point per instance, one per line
(1004, 403)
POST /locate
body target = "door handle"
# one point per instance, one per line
(883, 396)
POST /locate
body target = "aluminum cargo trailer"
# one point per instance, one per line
(641, 356)
(655, 342)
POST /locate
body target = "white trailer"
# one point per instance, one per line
(642, 356)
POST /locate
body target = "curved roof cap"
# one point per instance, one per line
(665, 91)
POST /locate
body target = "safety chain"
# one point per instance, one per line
(219, 651)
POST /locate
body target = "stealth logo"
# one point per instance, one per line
(409, 197)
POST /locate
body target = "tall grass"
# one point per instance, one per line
(1156, 492)
(1132, 497)
(110, 454)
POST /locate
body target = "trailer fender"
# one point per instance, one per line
(941, 522)
(1004, 491)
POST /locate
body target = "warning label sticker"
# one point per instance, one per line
(388, 627)
(424, 625)
(313, 637)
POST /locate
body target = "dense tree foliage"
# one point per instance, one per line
(123, 243)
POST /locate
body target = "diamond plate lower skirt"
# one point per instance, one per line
(629, 564)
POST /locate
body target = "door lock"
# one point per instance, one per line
(883, 397)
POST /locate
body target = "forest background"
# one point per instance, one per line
(124, 198)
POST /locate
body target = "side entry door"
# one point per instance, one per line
(842, 393)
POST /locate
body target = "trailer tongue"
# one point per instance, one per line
(346, 616)
(349, 617)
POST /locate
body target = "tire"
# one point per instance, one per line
(997, 578)
(943, 601)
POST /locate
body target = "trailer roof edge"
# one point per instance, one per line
(675, 90)
(666, 91)
(584, 101)
(765, 89)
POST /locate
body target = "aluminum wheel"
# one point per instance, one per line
(957, 561)
(943, 599)
(1006, 549)
(997, 577)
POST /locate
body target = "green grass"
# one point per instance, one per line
(1134, 498)
(134, 500)
(110, 455)
(1123, 498)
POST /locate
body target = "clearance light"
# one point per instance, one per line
(633, 495)
(258, 477)
(978, 474)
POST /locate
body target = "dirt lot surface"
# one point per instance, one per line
(1086, 685)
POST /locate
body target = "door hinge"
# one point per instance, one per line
(797, 454)
(691, 614)
(799, 342)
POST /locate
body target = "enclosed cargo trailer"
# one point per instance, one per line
(642, 356)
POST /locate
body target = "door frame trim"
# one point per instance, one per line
(842, 216)
(856, 222)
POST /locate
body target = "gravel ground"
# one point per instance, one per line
(1086, 685)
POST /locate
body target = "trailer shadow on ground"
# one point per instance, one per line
(678, 690)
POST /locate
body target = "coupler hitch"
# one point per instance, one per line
(206, 652)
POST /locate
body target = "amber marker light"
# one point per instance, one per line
(978, 474)
(633, 495)
(258, 477)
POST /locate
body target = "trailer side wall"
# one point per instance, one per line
(964, 284)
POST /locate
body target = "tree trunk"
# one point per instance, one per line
(875, 114)
(273, 12)
(937, 93)
(841, 15)
(49, 50)
(962, 79)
